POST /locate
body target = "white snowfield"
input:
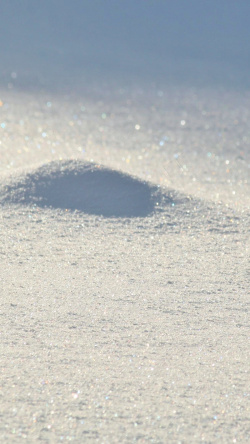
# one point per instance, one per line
(124, 267)
(124, 221)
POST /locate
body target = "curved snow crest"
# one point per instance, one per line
(85, 187)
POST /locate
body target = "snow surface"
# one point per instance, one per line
(124, 218)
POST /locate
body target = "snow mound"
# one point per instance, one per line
(82, 186)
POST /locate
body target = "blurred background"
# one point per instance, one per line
(69, 43)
